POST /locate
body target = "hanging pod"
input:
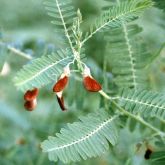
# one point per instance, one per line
(61, 103)
(148, 153)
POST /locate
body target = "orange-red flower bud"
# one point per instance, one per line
(61, 84)
(31, 94)
(91, 84)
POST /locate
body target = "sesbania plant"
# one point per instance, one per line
(131, 98)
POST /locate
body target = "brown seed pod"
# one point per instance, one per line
(61, 103)
(91, 84)
(31, 94)
(61, 84)
(148, 153)
(30, 105)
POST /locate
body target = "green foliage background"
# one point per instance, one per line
(25, 25)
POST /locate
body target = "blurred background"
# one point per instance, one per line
(26, 26)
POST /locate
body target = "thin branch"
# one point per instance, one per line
(65, 28)
(75, 53)
(138, 118)
(161, 120)
(19, 53)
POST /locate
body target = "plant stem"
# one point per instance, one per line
(105, 80)
(20, 53)
(138, 118)
(64, 25)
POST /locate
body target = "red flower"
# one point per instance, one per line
(58, 89)
(61, 84)
(31, 94)
(91, 84)
(31, 99)
(30, 105)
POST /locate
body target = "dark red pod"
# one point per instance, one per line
(30, 105)
(61, 103)
(61, 84)
(91, 84)
(148, 153)
(31, 94)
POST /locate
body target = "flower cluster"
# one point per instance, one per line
(89, 83)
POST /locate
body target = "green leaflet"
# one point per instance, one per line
(158, 158)
(124, 12)
(63, 14)
(46, 69)
(42, 71)
(143, 102)
(127, 56)
(87, 138)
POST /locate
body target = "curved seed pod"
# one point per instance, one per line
(61, 103)
(31, 94)
(61, 84)
(91, 84)
(30, 105)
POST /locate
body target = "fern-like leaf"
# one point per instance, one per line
(42, 71)
(158, 158)
(116, 15)
(63, 13)
(143, 102)
(160, 4)
(83, 139)
(128, 57)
